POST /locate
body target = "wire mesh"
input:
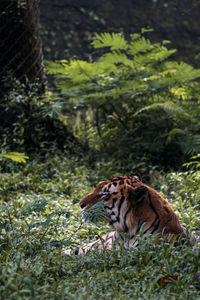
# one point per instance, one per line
(20, 43)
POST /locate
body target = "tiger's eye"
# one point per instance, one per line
(83, 205)
(103, 194)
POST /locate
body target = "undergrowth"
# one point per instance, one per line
(40, 217)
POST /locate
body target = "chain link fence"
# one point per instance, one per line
(21, 75)
(20, 43)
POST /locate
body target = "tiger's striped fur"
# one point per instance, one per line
(131, 206)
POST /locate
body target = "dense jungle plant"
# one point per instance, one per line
(29, 121)
(133, 101)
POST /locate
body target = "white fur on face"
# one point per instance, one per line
(110, 188)
(113, 189)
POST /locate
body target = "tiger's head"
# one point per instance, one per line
(107, 190)
(129, 205)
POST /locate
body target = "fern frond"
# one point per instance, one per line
(156, 55)
(116, 57)
(81, 73)
(141, 45)
(195, 163)
(185, 72)
(94, 213)
(190, 144)
(113, 40)
(55, 68)
(161, 53)
(15, 156)
(169, 107)
(174, 134)
(181, 72)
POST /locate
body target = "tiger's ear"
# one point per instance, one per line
(136, 176)
(137, 195)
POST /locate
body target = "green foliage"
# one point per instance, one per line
(117, 103)
(115, 41)
(183, 190)
(194, 163)
(94, 213)
(28, 121)
(40, 217)
(15, 156)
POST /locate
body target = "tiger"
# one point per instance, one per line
(131, 207)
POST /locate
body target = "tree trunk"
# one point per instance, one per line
(20, 48)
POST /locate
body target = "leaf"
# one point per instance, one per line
(116, 57)
(54, 110)
(15, 156)
(56, 67)
(140, 46)
(190, 144)
(174, 134)
(56, 243)
(143, 30)
(36, 207)
(180, 93)
(114, 41)
(43, 224)
(94, 213)
(169, 107)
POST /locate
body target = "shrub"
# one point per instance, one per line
(30, 122)
(133, 102)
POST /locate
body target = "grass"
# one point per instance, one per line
(40, 217)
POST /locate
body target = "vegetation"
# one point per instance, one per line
(22, 57)
(40, 218)
(120, 100)
(30, 123)
(131, 110)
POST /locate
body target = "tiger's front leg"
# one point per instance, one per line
(105, 243)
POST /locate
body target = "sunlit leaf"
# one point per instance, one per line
(15, 156)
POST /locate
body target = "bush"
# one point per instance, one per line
(117, 103)
(29, 121)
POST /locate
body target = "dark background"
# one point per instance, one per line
(69, 25)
